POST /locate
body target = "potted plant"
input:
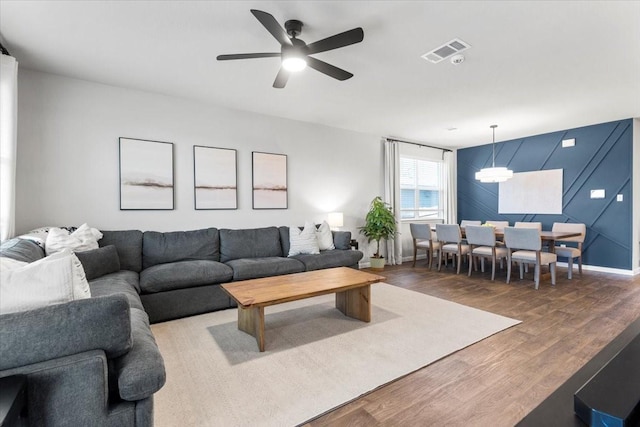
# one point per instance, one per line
(379, 224)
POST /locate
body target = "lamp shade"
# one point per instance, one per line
(335, 219)
(495, 174)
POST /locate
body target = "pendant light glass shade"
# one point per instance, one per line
(494, 174)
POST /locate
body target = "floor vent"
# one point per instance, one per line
(446, 50)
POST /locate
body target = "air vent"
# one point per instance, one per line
(446, 50)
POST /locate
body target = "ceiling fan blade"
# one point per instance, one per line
(270, 23)
(334, 42)
(281, 78)
(247, 56)
(328, 69)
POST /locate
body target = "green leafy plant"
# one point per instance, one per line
(379, 223)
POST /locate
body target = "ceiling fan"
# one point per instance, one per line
(294, 53)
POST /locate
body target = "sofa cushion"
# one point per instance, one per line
(21, 250)
(98, 262)
(59, 330)
(330, 259)
(342, 240)
(253, 268)
(140, 371)
(128, 243)
(122, 282)
(249, 243)
(183, 274)
(162, 248)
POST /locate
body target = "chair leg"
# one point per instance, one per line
(580, 264)
(459, 262)
(508, 270)
(552, 267)
(470, 267)
(521, 270)
(493, 268)
(415, 253)
(536, 275)
(482, 264)
(570, 267)
(440, 260)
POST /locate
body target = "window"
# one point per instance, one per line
(421, 189)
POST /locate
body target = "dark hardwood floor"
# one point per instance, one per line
(497, 381)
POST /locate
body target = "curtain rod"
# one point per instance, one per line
(420, 145)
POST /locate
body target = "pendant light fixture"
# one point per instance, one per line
(494, 174)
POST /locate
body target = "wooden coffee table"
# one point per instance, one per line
(352, 288)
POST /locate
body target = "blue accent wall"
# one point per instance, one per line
(601, 158)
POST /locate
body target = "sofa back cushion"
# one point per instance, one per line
(128, 244)
(162, 248)
(249, 243)
(21, 250)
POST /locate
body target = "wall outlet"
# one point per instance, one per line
(568, 142)
(619, 197)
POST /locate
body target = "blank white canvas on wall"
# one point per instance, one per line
(537, 192)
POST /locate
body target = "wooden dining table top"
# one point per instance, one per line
(544, 235)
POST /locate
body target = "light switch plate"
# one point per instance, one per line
(568, 142)
(597, 194)
(619, 197)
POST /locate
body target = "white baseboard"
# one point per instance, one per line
(634, 272)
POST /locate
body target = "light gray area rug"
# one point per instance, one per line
(316, 358)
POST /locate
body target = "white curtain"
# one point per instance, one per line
(392, 195)
(450, 188)
(8, 133)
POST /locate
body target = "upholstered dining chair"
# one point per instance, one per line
(525, 246)
(536, 225)
(450, 237)
(482, 244)
(423, 239)
(567, 251)
(466, 222)
(499, 225)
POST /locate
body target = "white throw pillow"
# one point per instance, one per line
(84, 238)
(303, 242)
(7, 264)
(51, 280)
(325, 237)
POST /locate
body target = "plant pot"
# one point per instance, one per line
(377, 263)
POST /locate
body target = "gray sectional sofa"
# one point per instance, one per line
(95, 361)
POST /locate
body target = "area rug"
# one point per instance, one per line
(316, 359)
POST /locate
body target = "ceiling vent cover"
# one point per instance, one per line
(446, 50)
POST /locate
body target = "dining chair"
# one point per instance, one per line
(525, 246)
(450, 238)
(525, 224)
(423, 239)
(482, 244)
(570, 252)
(536, 225)
(466, 222)
(499, 225)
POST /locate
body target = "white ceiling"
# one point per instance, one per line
(534, 67)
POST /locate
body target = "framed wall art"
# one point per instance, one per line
(269, 181)
(215, 178)
(146, 175)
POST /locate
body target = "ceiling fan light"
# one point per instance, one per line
(294, 64)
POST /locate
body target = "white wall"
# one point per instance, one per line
(67, 170)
